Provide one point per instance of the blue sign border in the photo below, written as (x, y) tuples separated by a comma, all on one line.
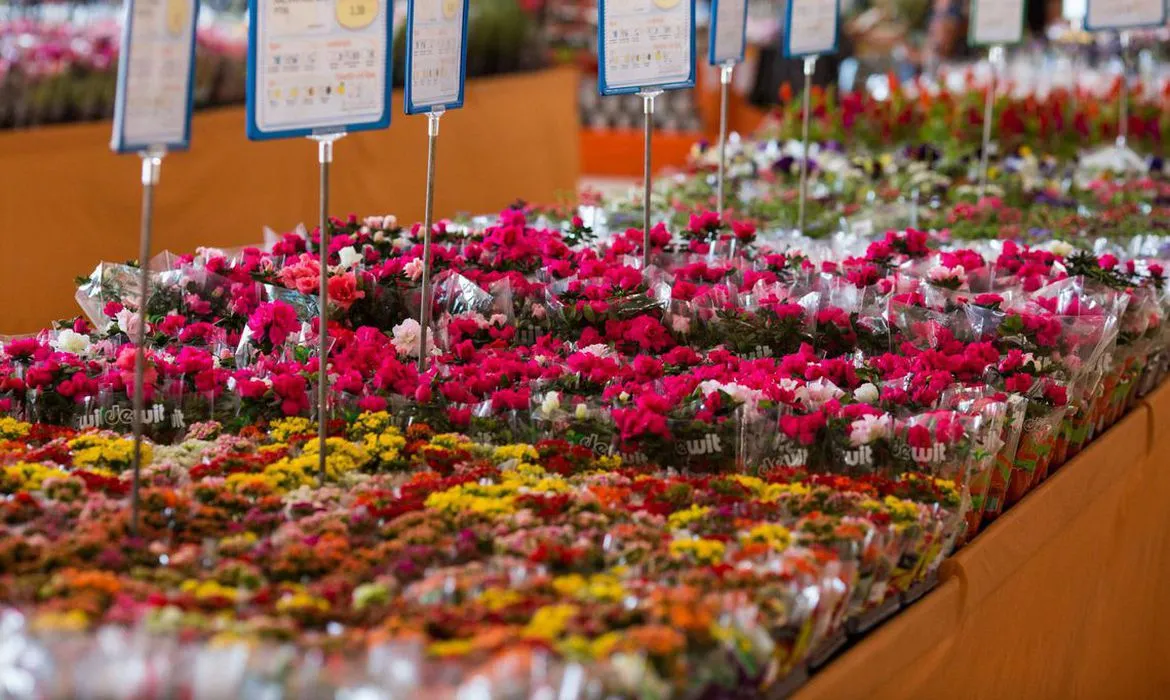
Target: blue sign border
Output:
[(1118, 28), (119, 143), (254, 131), (788, 32), (408, 103), (711, 57), (603, 87)]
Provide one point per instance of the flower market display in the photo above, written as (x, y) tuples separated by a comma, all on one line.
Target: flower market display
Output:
[(692, 479)]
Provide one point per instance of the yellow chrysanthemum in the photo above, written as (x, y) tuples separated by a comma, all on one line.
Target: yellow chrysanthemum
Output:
[(370, 422), (12, 429), (518, 452), (496, 599), (701, 550), (106, 451), (282, 429), (777, 537), (550, 621), (30, 476), (451, 647), (482, 499), (682, 519)]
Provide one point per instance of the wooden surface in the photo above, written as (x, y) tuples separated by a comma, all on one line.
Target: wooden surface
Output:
[(69, 203)]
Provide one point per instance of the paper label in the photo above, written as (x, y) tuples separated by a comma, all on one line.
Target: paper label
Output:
[(153, 105), (728, 25), (1124, 14), (320, 63), (646, 43), (811, 27), (438, 35), (996, 22)]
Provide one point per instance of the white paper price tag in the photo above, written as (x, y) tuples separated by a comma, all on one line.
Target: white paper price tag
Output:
[(646, 44), (810, 27), (728, 31), (155, 75), (317, 65), (436, 54), (996, 22), (1124, 14)]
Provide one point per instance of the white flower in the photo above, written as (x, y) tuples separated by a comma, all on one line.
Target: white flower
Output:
[(866, 429), (597, 349), (582, 412), (72, 342), (349, 257), (379, 237), (680, 324), (413, 269), (551, 403), (406, 338), (624, 396), (866, 393), (821, 391), (1061, 248)]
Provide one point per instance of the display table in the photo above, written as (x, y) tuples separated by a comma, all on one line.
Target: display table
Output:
[(69, 202), (1066, 596)]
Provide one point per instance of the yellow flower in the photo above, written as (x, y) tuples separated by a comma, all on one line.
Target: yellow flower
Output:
[(774, 492), (31, 475), (681, 519), (386, 447), (518, 452), (599, 587), (702, 550), (370, 422), (282, 429), (204, 590), (570, 585), (451, 647), (451, 441), (301, 601), (549, 622), (100, 450), (489, 499), (290, 475), (752, 483), (496, 599), (71, 621), (900, 509), (341, 457), (777, 537), (609, 462), (12, 429)]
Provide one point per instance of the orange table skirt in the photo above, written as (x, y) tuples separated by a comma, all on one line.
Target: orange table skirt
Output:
[(68, 202), (1067, 596)]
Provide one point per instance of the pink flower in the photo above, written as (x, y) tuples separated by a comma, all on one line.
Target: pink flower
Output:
[(273, 322)]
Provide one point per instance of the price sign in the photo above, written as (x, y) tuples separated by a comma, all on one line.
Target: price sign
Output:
[(1124, 14), (318, 65), (436, 54), (156, 76), (811, 27), (728, 31), (645, 44), (996, 22)]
